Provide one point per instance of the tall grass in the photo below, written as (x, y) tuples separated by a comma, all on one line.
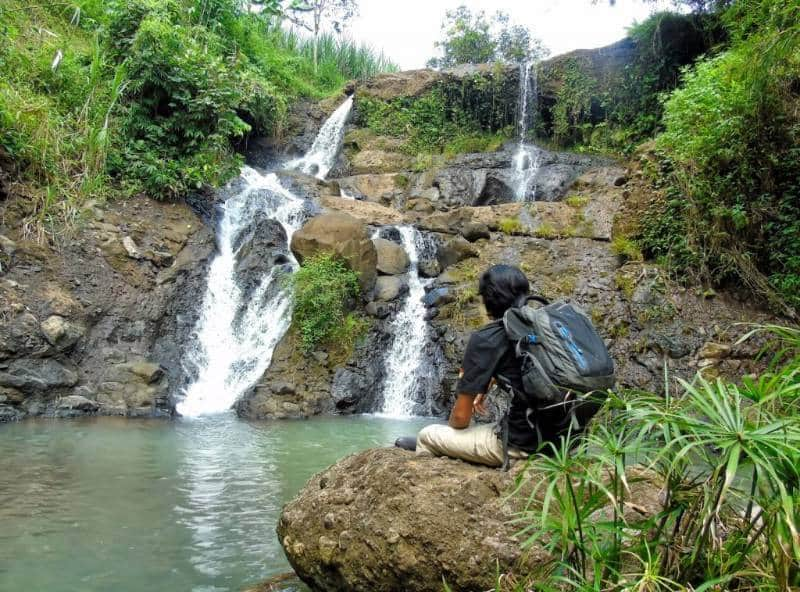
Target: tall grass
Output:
[(727, 458), (354, 60)]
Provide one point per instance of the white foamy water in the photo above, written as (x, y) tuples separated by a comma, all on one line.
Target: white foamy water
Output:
[(322, 156), (407, 368), (234, 338), (526, 158)]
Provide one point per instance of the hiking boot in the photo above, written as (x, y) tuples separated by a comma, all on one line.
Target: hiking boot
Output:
[(406, 442)]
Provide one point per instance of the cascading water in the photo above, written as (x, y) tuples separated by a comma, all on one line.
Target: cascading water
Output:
[(526, 158), (239, 328), (408, 369), (235, 336), (320, 159)]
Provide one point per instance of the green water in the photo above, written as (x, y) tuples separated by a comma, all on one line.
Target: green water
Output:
[(119, 505)]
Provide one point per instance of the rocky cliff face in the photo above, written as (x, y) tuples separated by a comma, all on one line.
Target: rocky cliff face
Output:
[(95, 322)]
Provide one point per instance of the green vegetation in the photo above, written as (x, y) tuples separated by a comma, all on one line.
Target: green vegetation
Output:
[(576, 201), (510, 225), (472, 38), (325, 289), (430, 123), (573, 102), (545, 230), (147, 95), (727, 459), (626, 248), (730, 147), (615, 114)]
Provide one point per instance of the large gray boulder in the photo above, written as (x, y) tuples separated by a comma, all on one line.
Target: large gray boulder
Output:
[(392, 258), (342, 235), (388, 520)]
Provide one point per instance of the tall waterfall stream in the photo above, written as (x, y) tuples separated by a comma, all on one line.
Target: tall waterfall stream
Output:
[(407, 367), (526, 158), (236, 333)]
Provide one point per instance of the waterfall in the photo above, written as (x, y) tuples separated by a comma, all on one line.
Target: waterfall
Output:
[(238, 328), (320, 159), (526, 158), (235, 336), (408, 369)]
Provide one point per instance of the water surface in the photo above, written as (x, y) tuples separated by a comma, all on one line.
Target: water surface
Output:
[(113, 504)]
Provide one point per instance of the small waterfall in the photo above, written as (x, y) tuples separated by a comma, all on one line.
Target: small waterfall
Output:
[(320, 159), (239, 326), (526, 158), (235, 335), (408, 369)]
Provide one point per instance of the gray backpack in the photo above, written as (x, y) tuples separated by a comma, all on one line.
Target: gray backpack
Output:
[(563, 362)]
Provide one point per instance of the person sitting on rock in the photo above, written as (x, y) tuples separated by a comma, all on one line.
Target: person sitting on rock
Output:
[(488, 356)]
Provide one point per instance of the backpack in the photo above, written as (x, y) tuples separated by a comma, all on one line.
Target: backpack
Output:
[(563, 363)]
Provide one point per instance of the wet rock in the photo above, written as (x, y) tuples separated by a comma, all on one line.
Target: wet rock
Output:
[(429, 268), (378, 310), (342, 235), (346, 387), (258, 248), (455, 250), (62, 333), (392, 258), (31, 375), (438, 297), (8, 413), (386, 519), (389, 287), (73, 405)]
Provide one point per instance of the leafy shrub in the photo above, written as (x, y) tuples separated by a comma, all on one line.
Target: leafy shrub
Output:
[(726, 458), (731, 145), (324, 289)]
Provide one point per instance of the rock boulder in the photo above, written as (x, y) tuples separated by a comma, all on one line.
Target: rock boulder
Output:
[(343, 235), (392, 258), (386, 519)]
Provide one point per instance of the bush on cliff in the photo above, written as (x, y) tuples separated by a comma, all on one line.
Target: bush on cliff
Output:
[(325, 290), (732, 161)]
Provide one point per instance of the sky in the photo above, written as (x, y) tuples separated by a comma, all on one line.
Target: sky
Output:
[(406, 29)]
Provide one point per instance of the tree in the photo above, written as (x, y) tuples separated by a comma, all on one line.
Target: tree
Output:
[(310, 14), (473, 38)]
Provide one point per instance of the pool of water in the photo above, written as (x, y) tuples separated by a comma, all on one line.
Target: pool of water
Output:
[(122, 505)]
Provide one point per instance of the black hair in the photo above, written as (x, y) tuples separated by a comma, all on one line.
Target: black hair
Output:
[(501, 287)]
